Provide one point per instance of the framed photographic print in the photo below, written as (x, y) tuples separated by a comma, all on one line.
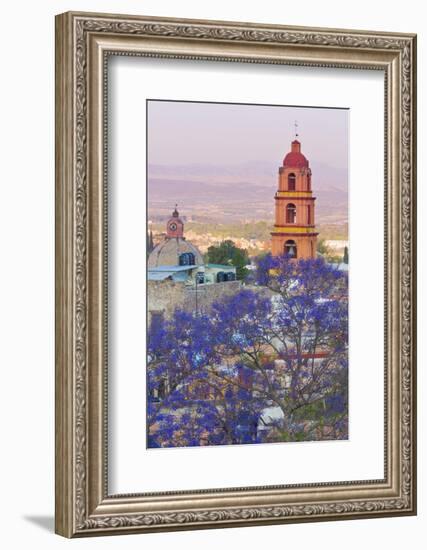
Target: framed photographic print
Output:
[(235, 274)]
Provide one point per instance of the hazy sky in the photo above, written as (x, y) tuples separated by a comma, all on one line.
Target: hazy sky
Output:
[(219, 134)]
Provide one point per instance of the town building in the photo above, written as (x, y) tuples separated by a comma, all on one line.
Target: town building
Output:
[(178, 277), (294, 230), (177, 259)]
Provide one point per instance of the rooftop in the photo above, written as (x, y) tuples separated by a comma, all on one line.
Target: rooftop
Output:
[(219, 266), (171, 268)]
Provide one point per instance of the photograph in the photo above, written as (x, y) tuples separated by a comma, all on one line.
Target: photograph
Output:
[(235, 271), (247, 273)]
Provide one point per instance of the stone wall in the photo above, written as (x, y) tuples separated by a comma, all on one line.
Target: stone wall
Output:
[(165, 296)]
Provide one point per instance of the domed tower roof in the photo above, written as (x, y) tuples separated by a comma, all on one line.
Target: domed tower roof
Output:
[(169, 251), (295, 159)]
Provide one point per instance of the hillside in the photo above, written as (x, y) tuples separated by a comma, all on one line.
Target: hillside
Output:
[(241, 192)]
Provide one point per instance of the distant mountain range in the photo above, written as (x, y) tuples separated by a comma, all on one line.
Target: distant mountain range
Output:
[(242, 191)]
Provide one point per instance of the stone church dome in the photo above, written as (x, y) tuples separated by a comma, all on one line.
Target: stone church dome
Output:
[(170, 251), (175, 249)]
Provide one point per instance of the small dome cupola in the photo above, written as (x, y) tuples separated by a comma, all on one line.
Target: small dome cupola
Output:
[(175, 226), (295, 159)]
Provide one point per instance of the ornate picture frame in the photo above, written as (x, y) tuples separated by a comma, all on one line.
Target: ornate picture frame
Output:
[(84, 43)]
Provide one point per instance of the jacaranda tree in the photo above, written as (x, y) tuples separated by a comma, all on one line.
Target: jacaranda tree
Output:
[(268, 363)]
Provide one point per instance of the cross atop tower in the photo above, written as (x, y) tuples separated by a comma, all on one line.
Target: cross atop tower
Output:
[(296, 129)]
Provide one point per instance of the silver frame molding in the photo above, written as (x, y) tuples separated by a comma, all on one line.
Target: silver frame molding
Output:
[(83, 43)]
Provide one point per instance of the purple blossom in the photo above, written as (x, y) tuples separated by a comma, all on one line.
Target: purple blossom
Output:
[(280, 345)]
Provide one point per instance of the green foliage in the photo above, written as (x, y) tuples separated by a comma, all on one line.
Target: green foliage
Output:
[(321, 247), (345, 256), (258, 233), (327, 253), (150, 242), (227, 253)]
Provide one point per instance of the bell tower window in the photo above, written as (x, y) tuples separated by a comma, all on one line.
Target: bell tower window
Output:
[(291, 182), (291, 213)]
